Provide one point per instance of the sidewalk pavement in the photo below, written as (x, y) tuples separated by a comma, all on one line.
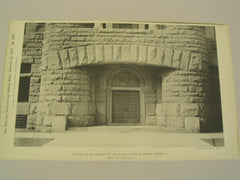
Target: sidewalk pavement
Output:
[(119, 136)]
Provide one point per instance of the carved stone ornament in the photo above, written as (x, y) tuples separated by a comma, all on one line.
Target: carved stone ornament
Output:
[(126, 78)]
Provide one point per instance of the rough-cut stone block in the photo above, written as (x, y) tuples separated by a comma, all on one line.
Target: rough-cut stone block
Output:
[(53, 60), (78, 38), (142, 53), (40, 118), (71, 76), (176, 99), (99, 53), (159, 109), (168, 57), (160, 55), (108, 52), (91, 109), (59, 108), (161, 121), (152, 55), (85, 87), (59, 123), (196, 89), (101, 108), (151, 120), (33, 108), (44, 107), (203, 99), (151, 99), (73, 55), (65, 58), (82, 55), (125, 53), (34, 89), (47, 121), (170, 89), (185, 60), (38, 65), (89, 120), (151, 109), (195, 62), (27, 59), (197, 78), (171, 109), (91, 54), (53, 87), (204, 109), (176, 58), (35, 79), (175, 122), (192, 124), (22, 108), (84, 98), (71, 98), (52, 77), (33, 53), (81, 121), (134, 53), (80, 108), (31, 120), (53, 98), (117, 53), (71, 87), (190, 110)]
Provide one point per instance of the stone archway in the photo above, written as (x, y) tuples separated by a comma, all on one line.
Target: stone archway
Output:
[(125, 97)]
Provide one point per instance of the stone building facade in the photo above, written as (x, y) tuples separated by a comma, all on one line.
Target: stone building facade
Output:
[(89, 74)]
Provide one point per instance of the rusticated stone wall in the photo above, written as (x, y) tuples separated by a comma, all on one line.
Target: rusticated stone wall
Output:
[(76, 60), (31, 54), (185, 100), (179, 47), (69, 98)]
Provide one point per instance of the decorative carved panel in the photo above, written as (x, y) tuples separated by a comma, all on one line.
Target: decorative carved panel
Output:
[(126, 79)]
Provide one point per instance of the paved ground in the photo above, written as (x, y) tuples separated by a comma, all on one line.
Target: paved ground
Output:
[(117, 136)]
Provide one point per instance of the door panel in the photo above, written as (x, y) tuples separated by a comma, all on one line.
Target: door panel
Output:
[(125, 106)]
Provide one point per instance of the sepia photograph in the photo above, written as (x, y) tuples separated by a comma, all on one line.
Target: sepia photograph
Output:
[(119, 89), (118, 84)]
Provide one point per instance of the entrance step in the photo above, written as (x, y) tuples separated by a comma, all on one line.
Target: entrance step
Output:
[(124, 128)]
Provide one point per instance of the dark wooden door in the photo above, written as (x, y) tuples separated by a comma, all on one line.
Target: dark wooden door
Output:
[(125, 106)]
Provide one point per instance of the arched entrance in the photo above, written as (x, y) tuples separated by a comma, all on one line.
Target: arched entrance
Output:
[(125, 97)]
